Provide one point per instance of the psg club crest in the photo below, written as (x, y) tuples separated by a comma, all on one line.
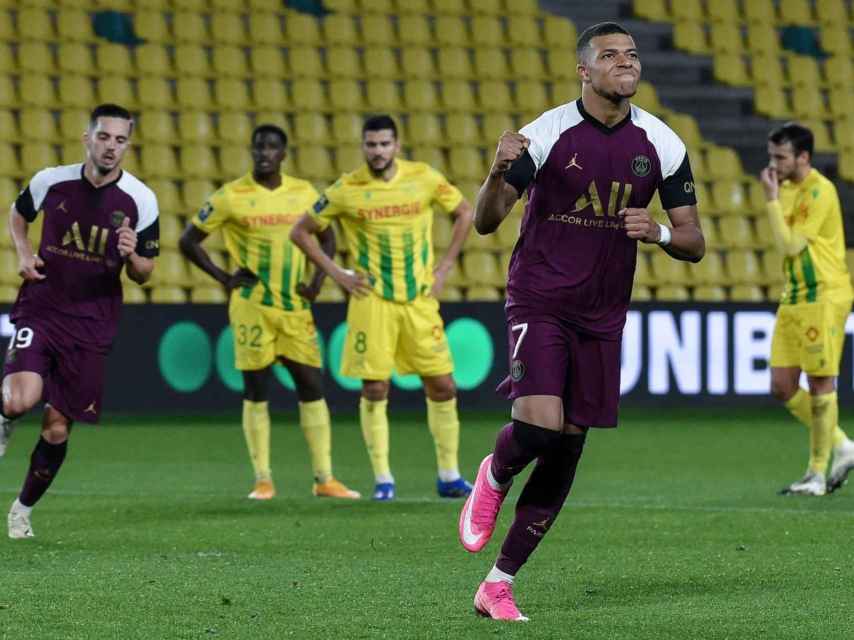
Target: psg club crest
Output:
[(117, 217), (641, 166), (517, 370)]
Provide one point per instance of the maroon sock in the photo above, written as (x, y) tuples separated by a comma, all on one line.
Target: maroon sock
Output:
[(540, 501), (44, 465), (519, 443)]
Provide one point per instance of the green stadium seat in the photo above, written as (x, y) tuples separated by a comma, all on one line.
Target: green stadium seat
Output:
[(643, 274), (72, 123), (414, 30), (168, 197), (72, 57), (795, 12), (742, 267), (158, 161), (807, 103), (208, 295), (803, 71), (448, 294), (424, 128), (527, 63), (382, 61), (494, 124), (725, 37), (192, 60), (9, 268), (114, 59), (116, 89), (343, 62), (330, 292), (196, 192), (709, 293), (38, 124), (265, 29), (227, 28), (448, 7), (523, 31), (457, 95), (494, 96), (194, 93), (431, 155), (377, 6), (74, 91), (345, 94), (267, 62), (641, 294), (491, 64), (486, 7), (454, 63), (462, 129), (151, 26), (266, 6), (466, 163), (170, 227), (764, 234), (821, 135), (561, 64), (340, 29), (672, 293), (34, 24), (647, 98), (189, 27), (168, 294), (270, 94), (652, 10), (450, 30), (307, 94), (730, 68), (416, 7), (230, 61), (348, 157), (771, 101), (152, 59), (35, 57), (487, 31), (667, 270), (531, 96), (723, 11), (9, 165), (315, 163), (686, 10), (746, 293), (195, 126), (417, 62), (841, 102), (420, 95), (482, 293), (35, 156), (709, 271), (836, 39), (762, 37), (301, 28), (377, 30), (729, 197), (234, 127), (8, 130), (691, 37), (346, 127), (760, 12), (310, 127), (832, 12), (559, 32), (156, 126)]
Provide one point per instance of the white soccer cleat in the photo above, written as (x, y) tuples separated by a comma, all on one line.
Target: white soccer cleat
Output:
[(19, 524), (843, 463), (6, 427), (812, 484)]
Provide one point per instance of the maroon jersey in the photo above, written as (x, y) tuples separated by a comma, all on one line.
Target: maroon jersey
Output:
[(573, 259), (79, 247)]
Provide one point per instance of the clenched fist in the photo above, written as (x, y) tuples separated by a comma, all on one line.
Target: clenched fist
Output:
[(640, 225), (127, 239), (511, 146)]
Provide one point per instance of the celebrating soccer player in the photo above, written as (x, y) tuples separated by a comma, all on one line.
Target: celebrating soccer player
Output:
[(385, 208), (806, 219), (590, 168), (269, 304), (98, 220)]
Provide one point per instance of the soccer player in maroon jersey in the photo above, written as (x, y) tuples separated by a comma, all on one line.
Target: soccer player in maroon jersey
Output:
[(98, 220), (590, 168)]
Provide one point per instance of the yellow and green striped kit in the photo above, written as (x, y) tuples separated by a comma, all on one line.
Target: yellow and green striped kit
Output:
[(255, 223), (388, 226), (819, 273)]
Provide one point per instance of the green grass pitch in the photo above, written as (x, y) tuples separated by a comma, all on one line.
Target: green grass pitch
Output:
[(673, 530)]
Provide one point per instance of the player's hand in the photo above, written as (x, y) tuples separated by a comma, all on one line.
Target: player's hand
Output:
[(440, 275), (353, 282), (308, 291), (243, 277), (511, 146), (28, 268), (640, 225), (127, 238), (770, 183)]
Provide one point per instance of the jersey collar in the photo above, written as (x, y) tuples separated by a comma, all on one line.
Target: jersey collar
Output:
[(600, 125), (103, 186)]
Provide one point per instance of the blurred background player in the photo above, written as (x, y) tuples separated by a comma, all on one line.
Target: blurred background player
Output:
[(386, 210), (98, 220), (806, 219), (591, 168), (269, 304)]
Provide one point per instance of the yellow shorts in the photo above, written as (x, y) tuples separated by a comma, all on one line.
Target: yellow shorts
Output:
[(407, 336), (810, 336), (263, 334)]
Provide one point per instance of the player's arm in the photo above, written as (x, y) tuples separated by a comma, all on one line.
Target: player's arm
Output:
[(302, 235), (683, 239), (326, 239), (463, 217), (788, 241), (28, 262), (511, 172), (139, 265), (191, 246)]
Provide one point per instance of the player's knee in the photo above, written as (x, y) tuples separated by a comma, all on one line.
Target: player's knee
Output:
[(820, 385), (56, 431), (782, 390), (375, 390), (441, 389)]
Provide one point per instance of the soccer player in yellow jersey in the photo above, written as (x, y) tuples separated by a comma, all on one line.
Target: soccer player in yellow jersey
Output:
[(385, 210), (805, 216), (269, 303)]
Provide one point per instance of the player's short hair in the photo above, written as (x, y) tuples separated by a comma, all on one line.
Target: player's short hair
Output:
[(270, 128), (109, 110), (594, 31), (378, 123), (798, 135)]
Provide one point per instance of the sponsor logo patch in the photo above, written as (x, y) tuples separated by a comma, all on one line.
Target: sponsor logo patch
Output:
[(641, 166), (517, 370), (321, 204), (205, 212), (117, 217), (812, 334)]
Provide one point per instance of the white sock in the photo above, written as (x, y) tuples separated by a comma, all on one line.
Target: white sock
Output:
[(384, 479), (497, 486), (497, 575), (17, 506), (449, 475)]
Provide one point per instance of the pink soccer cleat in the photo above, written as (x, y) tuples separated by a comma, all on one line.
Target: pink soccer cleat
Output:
[(495, 600), (477, 519)]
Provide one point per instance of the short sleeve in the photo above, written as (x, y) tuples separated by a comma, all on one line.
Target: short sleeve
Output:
[(30, 200), (213, 214), (446, 195), (677, 190), (148, 226), (327, 206)]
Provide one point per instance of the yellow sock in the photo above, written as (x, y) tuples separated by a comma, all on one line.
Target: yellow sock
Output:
[(799, 405), (315, 423), (372, 415), (825, 413), (445, 427), (256, 428)]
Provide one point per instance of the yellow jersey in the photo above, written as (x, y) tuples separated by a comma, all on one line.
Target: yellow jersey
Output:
[(811, 209), (256, 223), (388, 226)]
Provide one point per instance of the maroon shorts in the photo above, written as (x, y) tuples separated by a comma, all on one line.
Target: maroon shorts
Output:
[(550, 358), (73, 375)]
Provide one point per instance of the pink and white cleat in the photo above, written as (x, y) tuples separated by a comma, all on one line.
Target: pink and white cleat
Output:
[(477, 519), (495, 600)]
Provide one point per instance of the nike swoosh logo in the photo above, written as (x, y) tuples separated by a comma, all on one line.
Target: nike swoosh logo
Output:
[(469, 537)]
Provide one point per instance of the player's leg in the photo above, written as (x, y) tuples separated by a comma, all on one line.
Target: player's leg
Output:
[(316, 426), (444, 424), (256, 430), (373, 327), (21, 392), (842, 447), (45, 462)]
